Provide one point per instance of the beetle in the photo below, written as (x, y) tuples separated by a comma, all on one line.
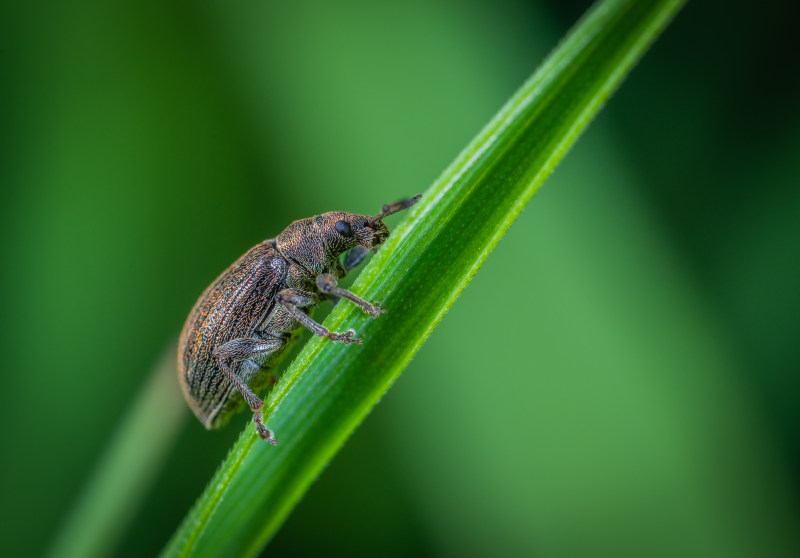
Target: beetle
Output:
[(248, 316)]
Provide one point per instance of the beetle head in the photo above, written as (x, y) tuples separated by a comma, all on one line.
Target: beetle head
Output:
[(318, 242), (343, 231)]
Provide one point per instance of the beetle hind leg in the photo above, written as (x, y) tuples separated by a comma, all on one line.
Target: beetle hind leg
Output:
[(242, 349)]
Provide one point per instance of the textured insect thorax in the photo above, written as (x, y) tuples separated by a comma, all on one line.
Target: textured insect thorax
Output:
[(315, 244), (300, 244)]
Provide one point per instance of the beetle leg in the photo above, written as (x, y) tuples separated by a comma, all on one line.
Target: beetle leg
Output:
[(241, 349), (328, 285), (293, 300), (354, 257), (244, 348), (253, 402)]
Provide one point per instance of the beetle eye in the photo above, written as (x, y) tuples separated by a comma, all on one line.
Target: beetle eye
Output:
[(343, 228)]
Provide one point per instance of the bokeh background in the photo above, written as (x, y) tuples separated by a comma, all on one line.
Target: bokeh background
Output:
[(620, 378)]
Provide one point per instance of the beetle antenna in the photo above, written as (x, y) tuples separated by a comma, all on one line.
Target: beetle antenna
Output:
[(391, 208)]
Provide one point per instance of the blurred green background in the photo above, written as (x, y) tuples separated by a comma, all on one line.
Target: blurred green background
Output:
[(620, 378)]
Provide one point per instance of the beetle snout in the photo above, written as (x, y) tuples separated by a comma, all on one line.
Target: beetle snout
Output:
[(379, 233)]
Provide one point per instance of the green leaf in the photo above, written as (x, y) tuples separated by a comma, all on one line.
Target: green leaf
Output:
[(422, 268)]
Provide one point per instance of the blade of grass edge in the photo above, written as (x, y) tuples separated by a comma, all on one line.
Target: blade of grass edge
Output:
[(325, 394)]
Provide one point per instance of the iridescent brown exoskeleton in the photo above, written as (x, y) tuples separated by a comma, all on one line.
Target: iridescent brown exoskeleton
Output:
[(248, 316)]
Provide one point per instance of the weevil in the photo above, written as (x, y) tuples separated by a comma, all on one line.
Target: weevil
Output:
[(248, 316)]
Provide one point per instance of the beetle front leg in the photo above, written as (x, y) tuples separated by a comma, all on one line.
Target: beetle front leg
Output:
[(242, 349), (328, 285), (354, 257), (293, 300)]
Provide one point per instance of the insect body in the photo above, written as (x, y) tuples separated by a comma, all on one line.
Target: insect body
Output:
[(248, 316)]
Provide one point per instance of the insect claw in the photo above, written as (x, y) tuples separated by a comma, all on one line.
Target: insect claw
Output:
[(350, 339), (374, 310), (346, 337), (266, 434)]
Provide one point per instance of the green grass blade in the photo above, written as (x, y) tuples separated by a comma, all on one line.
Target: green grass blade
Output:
[(420, 271)]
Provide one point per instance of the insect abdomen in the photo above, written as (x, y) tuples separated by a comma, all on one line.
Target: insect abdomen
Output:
[(232, 307)]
